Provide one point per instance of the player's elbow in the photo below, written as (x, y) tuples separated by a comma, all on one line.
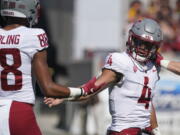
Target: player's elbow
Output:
[(47, 93)]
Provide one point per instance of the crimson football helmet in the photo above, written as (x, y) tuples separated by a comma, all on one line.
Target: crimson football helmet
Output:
[(145, 37), (22, 9)]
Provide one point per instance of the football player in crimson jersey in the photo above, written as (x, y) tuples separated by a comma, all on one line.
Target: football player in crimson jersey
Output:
[(131, 77), (23, 52)]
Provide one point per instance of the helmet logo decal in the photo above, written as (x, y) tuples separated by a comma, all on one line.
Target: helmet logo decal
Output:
[(147, 37)]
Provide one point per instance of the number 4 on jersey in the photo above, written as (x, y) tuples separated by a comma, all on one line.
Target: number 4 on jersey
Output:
[(146, 93)]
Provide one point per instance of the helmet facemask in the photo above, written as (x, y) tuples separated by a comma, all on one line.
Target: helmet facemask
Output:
[(141, 50), (144, 40)]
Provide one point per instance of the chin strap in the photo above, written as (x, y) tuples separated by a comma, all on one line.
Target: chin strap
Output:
[(139, 58)]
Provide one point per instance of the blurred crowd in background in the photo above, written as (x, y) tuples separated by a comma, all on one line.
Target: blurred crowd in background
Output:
[(166, 13)]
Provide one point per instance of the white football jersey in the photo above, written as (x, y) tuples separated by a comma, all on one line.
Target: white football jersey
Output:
[(130, 99), (17, 48)]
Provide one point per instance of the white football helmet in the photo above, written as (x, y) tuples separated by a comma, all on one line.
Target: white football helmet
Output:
[(21, 8), (145, 37)]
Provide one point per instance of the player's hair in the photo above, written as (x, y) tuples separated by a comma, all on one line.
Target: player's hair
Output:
[(14, 20)]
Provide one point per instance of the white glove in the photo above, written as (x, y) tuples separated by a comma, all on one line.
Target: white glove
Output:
[(156, 131)]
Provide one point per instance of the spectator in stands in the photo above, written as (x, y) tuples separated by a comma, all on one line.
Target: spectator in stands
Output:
[(164, 16), (135, 11), (153, 8)]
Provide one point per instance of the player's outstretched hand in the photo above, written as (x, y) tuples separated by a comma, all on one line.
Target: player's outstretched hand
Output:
[(90, 87), (53, 101)]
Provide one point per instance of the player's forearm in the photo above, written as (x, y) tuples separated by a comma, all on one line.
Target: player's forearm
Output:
[(153, 118), (174, 67), (53, 90), (154, 123), (167, 64)]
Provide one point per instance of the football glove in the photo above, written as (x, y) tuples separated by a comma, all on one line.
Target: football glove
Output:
[(90, 87)]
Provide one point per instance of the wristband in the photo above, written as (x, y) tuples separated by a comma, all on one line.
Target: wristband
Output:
[(156, 131), (75, 92), (164, 63)]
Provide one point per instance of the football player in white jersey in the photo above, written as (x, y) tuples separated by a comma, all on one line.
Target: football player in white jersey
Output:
[(23, 52), (131, 77)]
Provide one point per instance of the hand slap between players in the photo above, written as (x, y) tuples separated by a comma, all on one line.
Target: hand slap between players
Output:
[(87, 89)]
